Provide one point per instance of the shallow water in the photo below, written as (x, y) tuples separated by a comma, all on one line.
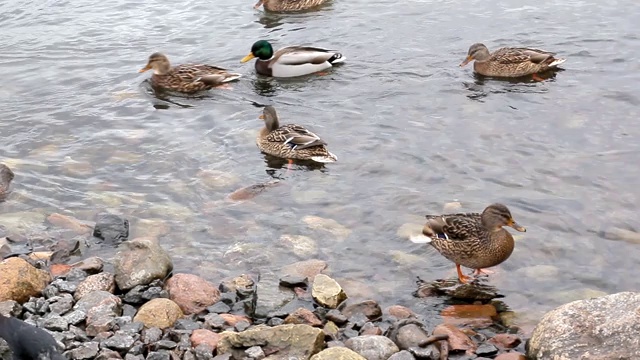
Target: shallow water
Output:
[(412, 131)]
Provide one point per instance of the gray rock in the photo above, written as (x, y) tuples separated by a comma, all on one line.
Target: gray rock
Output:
[(128, 310), (186, 324), (55, 322), (293, 280), (409, 335), (87, 350), (165, 344), (36, 306), (61, 304), (270, 295), (139, 262), (111, 228), (204, 352), (223, 357), (402, 355), (50, 291), (486, 349), (132, 328), (10, 308), (121, 321), (372, 347), (336, 316), (75, 317), (134, 296), (102, 308), (155, 292), (214, 321), (188, 355), (119, 342), (430, 352), (151, 335), (599, 328), (242, 325), (133, 357), (290, 341), (255, 352), (219, 308), (159, 355), (64, 286), (75, 275)]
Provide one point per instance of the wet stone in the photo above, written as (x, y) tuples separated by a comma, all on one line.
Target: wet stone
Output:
[(293, 280), (111, 228), (486, 349), (159, 355), (219, 308), (336, 316), (402, 355), (165, 344)]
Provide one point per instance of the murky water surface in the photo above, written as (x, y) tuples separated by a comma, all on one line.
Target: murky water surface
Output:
[(412, 131)]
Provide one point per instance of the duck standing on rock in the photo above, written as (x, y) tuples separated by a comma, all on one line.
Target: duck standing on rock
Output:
[(473, 240), (511, 62), (288, 5), (291, 141), (291, 61), (28, 342), (186, 78)]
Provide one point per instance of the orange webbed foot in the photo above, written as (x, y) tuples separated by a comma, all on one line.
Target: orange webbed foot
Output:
[(462, 277), (537, 77)]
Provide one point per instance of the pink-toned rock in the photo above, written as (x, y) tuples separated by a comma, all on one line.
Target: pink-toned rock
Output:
[(233, 319), (477, 316), (204, 336), (506, 341), (69, 222), (103, 281), (191, 292), (59, 269), (19, 280), (400, 312), (303, 316), (458, 341), (511, 356)]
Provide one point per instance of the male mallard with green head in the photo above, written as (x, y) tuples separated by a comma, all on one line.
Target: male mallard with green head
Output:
[(290, 141), (511, 62), (473, 240), (186, 78), (291, 61), (288, 5)]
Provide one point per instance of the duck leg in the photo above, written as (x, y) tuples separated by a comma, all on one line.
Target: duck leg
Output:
[(289, 165), (462, 277), (224, 86), (478, 272), (537, 77)]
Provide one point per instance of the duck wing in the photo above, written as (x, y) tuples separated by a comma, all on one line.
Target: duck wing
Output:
[(299, 55), (296, 136), (452, 226)]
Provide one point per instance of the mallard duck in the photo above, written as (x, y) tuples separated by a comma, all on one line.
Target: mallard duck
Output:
[(510, 62), (186, 78), (291, 141), (292, 60), (288, 5), (473, 240)]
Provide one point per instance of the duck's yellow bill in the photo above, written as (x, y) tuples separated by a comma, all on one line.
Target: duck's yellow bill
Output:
[(466, 61), (148, 67), (247, 58), (261, 117)]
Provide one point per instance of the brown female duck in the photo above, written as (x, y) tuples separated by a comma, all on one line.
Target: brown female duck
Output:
[(510, 62), (186, 78), (290, 141), (288, 5), (473, 240)]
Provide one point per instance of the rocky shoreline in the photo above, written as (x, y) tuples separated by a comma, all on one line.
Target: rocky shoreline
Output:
[(134, 307)]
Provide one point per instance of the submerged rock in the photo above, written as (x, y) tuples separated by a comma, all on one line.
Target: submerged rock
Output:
[(191, 292), (456, 290), (139, 262), (19, 280), (270, 295), (6, 176), (298, 342), (112, 229), (327, 292), (600, 328)]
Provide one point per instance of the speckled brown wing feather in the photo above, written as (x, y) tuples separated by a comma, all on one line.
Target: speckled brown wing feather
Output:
[(520, 55), (297, 136), (458, 227)]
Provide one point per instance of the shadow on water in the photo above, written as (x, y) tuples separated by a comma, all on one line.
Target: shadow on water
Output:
[(478, 91)]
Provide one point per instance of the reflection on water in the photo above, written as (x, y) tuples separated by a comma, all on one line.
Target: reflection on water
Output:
[(412, 130)]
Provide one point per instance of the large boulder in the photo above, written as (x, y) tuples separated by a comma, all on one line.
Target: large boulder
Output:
[(289, 341), (19, 280), (139, 262), (606, 327)]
